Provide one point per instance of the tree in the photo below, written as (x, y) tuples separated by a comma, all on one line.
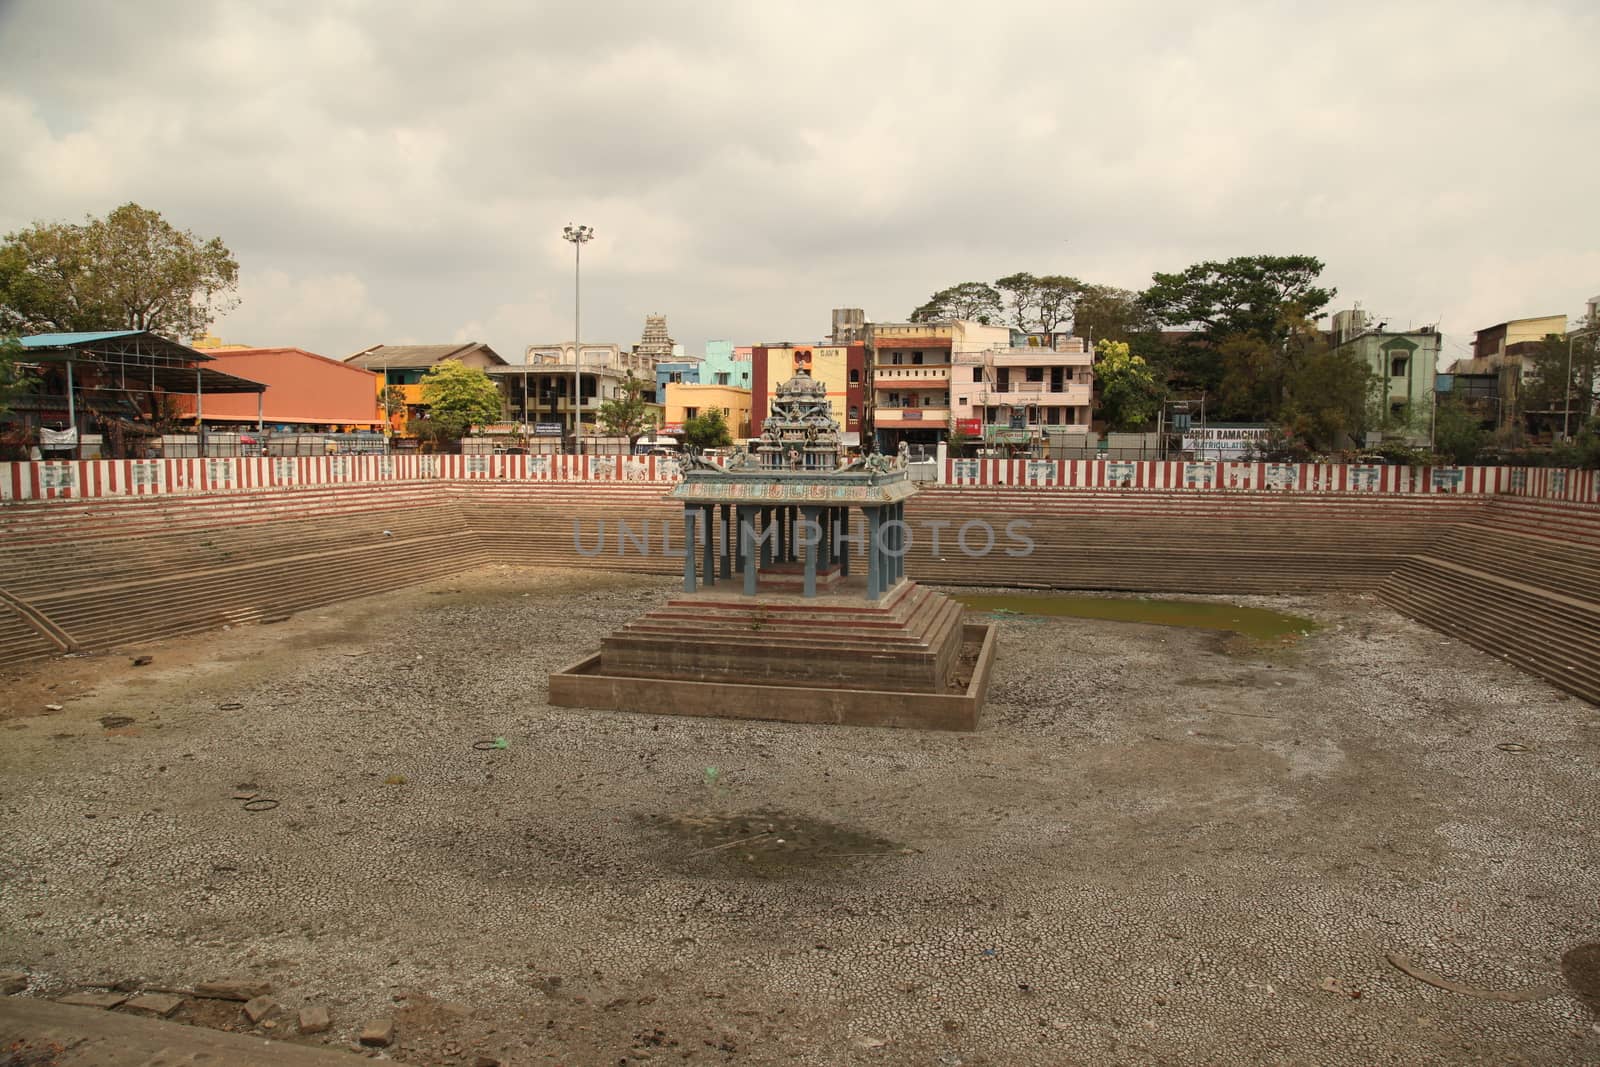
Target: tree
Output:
[(1106, 313), (957, 443), (628, 413), (131, 270), (1548, 385), (707, 431), (458, 397), (1258, 296), (1130, 396), (1040, 304), (1458, 433), (394, 404), (975, 301), (11, 373), (1327, 393)]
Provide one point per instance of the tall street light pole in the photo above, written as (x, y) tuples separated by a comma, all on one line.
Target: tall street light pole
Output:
[(578, 235)]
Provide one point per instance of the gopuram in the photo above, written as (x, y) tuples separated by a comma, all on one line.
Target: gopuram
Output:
[(795, 603)]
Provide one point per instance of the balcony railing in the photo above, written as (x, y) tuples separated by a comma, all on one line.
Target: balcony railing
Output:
[(930, 415), (1040, 357), (1075, 395)]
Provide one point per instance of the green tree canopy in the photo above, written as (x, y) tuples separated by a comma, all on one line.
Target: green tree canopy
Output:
[(1106, 313), (1130, 396), (709, 430), (628, 413), (975, 301), (11, 380), (1326, 401), (131, 270), (1458, 433), (1560, 375), (459, 397), (1040, 304), (1257, 296)]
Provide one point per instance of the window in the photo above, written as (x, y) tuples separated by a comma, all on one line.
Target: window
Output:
[(1035, 374), (691, 413), (963, 401), (726, 412), (722, 377), (855, 413), (916, 359), (977, 374), (1398, 366), (855, 376)]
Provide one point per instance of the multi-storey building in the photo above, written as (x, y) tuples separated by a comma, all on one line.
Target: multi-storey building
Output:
[(404, 366), (1404, 364), (914, 387), (1020, 391), (686, 401), (546, 375), (842, 368), (725, 364)]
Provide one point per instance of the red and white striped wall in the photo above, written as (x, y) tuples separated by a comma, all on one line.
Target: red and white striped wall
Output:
[(93, 478), (1207, 476), (87, 479)]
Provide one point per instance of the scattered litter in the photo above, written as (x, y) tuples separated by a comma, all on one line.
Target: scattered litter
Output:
[(52, 707), (143, 661), (260, 804), (395, 779), (1334, 985), (731, 844), (1506, 996), (1512, 746), (232, 705), (867, 1043), (711, 775), (115, 722), (245, 796), (490, 746)]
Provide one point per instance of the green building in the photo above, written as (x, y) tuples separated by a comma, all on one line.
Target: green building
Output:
[(1403, 365)]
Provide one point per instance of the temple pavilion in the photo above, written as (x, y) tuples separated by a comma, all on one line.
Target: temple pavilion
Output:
[(777, 517), (802, 639)]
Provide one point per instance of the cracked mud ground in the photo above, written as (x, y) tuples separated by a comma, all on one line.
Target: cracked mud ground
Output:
[(1162, 846)]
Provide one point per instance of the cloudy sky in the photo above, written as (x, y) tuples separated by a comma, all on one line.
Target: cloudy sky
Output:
[(390, 172)]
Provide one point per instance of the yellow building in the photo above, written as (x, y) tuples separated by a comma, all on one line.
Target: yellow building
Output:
[(840, 368), (688, 401)]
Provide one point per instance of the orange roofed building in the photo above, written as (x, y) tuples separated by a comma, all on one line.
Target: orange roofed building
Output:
[(303, 389)]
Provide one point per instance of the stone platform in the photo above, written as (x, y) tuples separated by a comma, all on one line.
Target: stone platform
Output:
[(585, 684), (909, 639), (904, 660)]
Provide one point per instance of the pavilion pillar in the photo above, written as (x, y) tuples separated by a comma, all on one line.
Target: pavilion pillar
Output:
[(766, 537), (826, 521), (709, 563), (747, 534), (900, 543), (689, 547), (874, 557), (842, 516), (727, 542), (783, 533), (199, 415), (810, 515), (260, 411)]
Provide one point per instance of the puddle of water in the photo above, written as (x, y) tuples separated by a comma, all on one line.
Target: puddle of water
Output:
[(1256, 623)]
